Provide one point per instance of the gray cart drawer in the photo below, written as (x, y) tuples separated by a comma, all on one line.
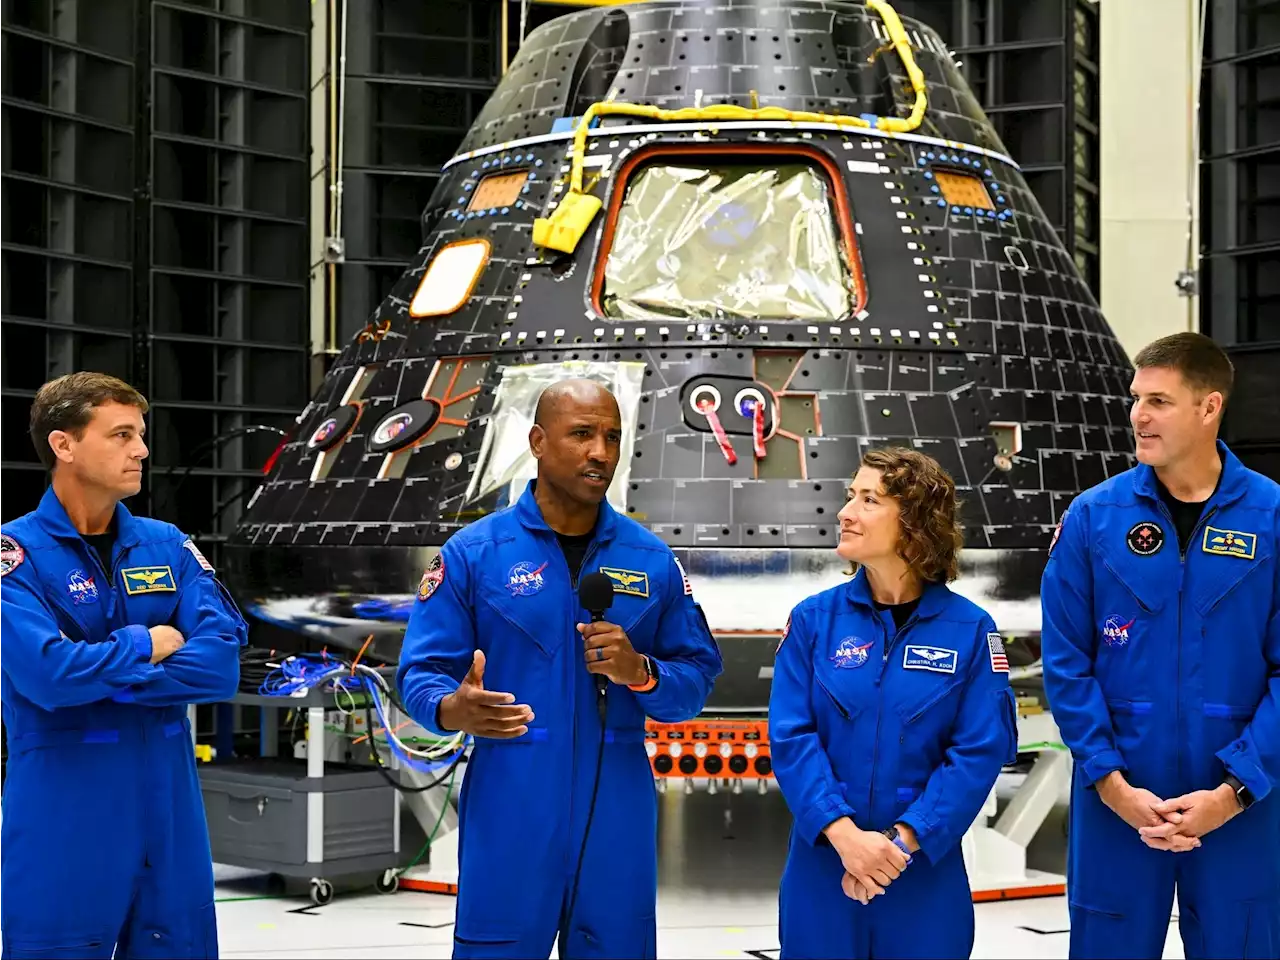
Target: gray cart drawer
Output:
[(257, 811)]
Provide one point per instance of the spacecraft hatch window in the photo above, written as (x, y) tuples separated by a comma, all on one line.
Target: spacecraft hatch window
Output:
[(449, 278), (729, 236), (963, 189)]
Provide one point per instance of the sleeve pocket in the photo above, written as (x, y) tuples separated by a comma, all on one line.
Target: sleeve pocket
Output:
[(1008, 710)]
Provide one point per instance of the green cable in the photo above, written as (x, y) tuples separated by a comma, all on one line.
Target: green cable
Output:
[(434, 830)]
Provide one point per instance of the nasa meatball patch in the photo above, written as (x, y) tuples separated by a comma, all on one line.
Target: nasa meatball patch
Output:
[(432, 578), (11, 554)]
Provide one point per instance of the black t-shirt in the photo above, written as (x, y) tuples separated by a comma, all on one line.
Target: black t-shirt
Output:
[(575, 551), (901, 611), (1185, 515), (103, 543)]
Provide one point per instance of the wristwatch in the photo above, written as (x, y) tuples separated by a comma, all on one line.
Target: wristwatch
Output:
[(652, 680), (1243, 795), (892, 834)]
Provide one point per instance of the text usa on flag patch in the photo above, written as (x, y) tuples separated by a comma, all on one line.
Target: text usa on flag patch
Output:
[(999, 660)]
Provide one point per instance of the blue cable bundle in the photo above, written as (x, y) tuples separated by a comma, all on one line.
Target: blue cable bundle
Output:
[(297, 675)]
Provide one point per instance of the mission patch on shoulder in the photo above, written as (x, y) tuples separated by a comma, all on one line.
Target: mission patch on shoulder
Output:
[(11, 554)]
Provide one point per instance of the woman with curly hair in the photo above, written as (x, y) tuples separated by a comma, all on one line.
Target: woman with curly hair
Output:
[(890, 718)]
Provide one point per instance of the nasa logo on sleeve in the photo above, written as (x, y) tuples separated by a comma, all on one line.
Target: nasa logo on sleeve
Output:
[(11, 554)]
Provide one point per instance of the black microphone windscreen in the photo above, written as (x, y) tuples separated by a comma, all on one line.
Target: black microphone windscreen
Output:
[(595, 593)]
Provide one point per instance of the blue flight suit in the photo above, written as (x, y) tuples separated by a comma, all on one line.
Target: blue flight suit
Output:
[(504, 588), (102, 794), (886, 726), (1167, 667)]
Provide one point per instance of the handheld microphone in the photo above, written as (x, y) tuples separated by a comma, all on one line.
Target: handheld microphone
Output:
[(595, 593)]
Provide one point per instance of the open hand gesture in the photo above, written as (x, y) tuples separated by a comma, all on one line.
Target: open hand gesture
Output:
[(483, 713)]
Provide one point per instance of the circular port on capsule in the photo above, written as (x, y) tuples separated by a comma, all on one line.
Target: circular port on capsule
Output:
[(705, 392), (746, 399)]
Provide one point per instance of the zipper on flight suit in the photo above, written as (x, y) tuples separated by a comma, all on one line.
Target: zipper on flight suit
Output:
[(1182, 576), (120, 550), (573, 623), (113, 610), (884, 662)]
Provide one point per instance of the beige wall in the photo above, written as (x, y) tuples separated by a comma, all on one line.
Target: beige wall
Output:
[(1146, 72)]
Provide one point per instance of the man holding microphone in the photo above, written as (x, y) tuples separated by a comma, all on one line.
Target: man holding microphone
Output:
[(558, 790)]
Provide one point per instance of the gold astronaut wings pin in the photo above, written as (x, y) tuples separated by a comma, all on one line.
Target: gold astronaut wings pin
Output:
[(157, 579), (631, 582)]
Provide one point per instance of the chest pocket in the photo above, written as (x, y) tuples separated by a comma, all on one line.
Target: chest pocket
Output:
[(845, 673), (927, 685), (530, 595), (149, 592), (1235, 583)]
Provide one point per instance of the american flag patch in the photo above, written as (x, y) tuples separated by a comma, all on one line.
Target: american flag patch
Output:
[(785, 630), (995, 646), (688, 587), (195, 552)]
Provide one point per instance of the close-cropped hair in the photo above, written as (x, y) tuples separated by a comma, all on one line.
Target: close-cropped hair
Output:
[(1203, 364), (67, 404), (930, 531)]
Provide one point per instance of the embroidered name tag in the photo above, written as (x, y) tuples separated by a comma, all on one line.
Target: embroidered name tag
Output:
[(1230, 543), (148, 580), (937, 659), (631, 582)]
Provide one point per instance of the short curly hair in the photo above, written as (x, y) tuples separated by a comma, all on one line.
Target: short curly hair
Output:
[(931, 534)]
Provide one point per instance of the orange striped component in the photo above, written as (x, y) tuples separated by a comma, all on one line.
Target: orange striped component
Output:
[(737, 749)]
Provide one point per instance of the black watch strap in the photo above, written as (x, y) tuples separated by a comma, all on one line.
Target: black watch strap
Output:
[(1243, 796)]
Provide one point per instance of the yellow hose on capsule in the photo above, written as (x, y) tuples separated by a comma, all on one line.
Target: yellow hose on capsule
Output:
[(564, 228)]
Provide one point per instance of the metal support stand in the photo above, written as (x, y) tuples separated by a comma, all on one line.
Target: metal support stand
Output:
[(995, 855)]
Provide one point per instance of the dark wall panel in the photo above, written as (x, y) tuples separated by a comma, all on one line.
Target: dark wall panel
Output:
[(164, 244)]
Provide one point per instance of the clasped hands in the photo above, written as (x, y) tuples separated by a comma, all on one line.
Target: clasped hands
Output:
[(871, 860), (490, 713), (1175, 825)]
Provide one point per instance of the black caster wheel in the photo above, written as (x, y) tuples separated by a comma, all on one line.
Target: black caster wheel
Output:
[(388, 882), (321, 891)]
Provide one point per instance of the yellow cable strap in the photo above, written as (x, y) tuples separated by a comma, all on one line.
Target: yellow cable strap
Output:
[(731, 112)]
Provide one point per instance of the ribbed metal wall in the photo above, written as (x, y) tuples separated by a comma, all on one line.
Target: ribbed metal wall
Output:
[(155, 217), (1033, 65)]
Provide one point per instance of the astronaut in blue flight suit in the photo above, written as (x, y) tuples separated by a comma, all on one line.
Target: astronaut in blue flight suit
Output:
[(546, 849), (112, 625), (1161, 645), (890, 718)]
